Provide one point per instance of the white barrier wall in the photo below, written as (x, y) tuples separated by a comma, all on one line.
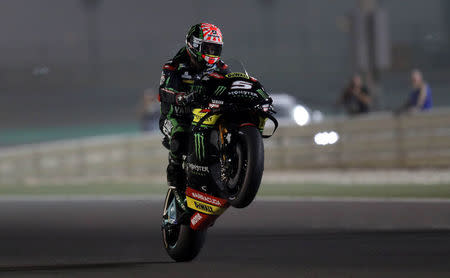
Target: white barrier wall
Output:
[(378, 140), (88, 159), (373, 141)]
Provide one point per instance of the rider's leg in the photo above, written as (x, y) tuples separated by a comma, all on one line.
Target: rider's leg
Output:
[(176, 176), (176, 141)]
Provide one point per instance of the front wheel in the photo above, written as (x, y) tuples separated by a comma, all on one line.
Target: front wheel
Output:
[(180, 241), (244, 168)]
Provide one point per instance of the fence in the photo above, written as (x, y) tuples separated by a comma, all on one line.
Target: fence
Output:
[(379, 140), (84, 159), (373, 141)]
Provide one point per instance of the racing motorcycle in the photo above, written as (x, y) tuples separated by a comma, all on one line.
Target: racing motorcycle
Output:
[(234, 112)]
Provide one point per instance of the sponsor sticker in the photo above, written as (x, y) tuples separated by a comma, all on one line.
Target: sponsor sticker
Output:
[(199, 113), (237, 74), (201, 221), (246, 94), (215, 103), (198, 168), (204, 207), (206, 197), (197, 217)]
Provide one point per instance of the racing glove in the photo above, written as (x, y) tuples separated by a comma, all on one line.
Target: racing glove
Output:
[(185, 99)]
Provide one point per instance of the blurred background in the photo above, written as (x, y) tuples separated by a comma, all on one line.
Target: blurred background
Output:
[(80, 67), (362, 90)]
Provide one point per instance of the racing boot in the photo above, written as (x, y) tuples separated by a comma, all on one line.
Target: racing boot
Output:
[(176, 179)]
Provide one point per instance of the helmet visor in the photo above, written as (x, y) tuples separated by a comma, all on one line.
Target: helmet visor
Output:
[(211, 49)]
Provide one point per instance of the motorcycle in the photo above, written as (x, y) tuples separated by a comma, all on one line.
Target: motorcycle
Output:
[(235, 112)]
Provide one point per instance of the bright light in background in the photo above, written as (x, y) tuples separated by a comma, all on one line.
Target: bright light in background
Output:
[(301, 115), (326, 138)]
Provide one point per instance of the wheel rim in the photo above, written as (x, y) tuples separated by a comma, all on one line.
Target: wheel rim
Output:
[(233, 174), (171, 232), (171, 235)]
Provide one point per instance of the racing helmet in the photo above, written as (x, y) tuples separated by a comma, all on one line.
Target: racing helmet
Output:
[(204, 43)]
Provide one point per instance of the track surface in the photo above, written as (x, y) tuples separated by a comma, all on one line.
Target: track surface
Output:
[(121, 238)]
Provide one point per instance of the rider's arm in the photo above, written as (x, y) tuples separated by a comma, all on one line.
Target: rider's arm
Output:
[(169, 88)]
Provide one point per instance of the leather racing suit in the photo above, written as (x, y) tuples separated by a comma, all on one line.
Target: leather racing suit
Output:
[(180, 82)]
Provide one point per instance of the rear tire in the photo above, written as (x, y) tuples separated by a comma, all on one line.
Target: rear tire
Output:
[(251, 139), (180, 241)]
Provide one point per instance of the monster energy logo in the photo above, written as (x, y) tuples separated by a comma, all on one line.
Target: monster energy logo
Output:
[(199, 142), (262, 93), (220, 90)]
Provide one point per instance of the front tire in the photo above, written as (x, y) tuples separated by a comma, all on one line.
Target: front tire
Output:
[(253, 164), (180, 241)]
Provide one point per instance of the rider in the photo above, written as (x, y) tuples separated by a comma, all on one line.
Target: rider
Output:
[(179, 87)]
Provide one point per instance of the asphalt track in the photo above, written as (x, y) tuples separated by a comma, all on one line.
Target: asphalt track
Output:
[(121, 238)]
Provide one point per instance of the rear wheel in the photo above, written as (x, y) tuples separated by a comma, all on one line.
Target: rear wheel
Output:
[(180, 241)]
